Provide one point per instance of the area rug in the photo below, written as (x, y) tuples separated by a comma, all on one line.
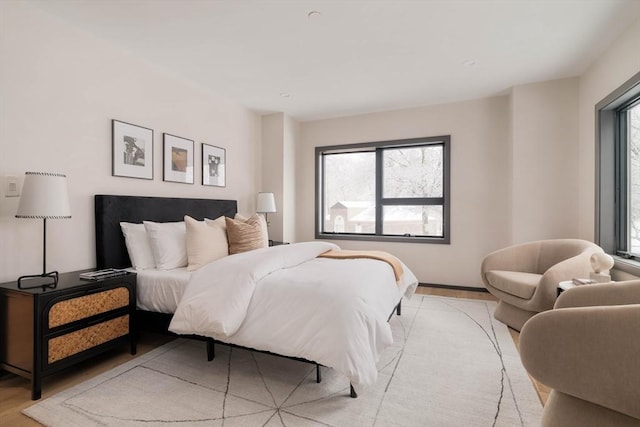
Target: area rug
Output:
[(451, 364)]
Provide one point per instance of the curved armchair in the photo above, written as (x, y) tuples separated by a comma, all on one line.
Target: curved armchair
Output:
[(587, 349), (525, 277)]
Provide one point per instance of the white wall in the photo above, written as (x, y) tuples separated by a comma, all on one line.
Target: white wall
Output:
[(290, 142), (514, 173), (59, 90), (280, 134), (480, 184), (512, 156), (272, 168), (544, 126)]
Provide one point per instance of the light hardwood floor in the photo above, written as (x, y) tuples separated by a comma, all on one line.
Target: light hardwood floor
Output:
[(15, 392)]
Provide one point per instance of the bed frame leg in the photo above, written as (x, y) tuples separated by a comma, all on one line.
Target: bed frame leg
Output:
[(211, 350), (352, 392), (318, 376)]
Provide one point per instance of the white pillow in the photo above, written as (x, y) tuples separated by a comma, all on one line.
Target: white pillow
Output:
[(168, 243), (206, 241), (140, 254)]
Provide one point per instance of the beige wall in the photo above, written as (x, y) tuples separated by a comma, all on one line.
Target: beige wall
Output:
[(59, 89), (480, 193), (272, 168), (544, 126), (512, 156), (533, 178), (290, 141), (280, 134)]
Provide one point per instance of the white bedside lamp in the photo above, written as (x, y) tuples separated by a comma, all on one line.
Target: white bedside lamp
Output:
[(44, 196), (266, 205)]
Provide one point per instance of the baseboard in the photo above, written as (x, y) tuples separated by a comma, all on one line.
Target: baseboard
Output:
[(453, 287)]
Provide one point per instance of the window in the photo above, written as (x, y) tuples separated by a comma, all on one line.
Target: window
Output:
[(618, 195), (390, 191), (629, 179)]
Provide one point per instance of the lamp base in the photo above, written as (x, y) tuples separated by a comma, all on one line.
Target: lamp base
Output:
[(41, 284)]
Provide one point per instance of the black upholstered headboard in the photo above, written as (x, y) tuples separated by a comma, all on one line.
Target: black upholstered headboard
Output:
[(111, 250)]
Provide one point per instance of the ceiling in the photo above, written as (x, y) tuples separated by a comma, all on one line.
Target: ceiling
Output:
[(354, 57)]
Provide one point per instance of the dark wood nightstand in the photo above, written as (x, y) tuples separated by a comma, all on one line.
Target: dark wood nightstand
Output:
[(277, 243), (44, 330)]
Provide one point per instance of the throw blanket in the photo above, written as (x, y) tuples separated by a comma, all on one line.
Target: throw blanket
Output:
[(394, 262)]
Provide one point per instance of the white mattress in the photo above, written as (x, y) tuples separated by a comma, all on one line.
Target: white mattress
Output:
[(160, 290)]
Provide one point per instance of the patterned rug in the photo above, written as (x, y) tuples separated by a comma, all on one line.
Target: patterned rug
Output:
[(452, 364)]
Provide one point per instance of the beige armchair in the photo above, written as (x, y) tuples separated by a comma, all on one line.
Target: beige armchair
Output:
[(525, 277), (587, 349)]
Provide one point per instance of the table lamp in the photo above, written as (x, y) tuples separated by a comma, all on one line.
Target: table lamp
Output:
[(266, 205), (44, 196)]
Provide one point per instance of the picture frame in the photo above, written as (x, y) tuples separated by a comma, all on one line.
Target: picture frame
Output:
[(132, 150), (214, 166), (177, 159)]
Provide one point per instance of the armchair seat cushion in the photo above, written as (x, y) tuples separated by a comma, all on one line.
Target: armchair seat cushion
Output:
[(516, 283)]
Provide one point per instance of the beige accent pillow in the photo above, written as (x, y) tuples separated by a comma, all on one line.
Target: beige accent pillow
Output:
[(246, 234), (206, 241), (263, 224)]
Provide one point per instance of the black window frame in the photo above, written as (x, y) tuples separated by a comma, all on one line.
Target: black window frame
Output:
[(378, 147), (612, 173)]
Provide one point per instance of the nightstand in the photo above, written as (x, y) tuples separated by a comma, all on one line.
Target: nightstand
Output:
[(277, 243), (45, 330)]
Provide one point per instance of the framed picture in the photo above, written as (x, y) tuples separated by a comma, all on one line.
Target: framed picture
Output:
[(214, 165), (178, 159), (132, 150)]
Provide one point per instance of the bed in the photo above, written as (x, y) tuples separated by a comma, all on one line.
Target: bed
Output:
[(343, 324)]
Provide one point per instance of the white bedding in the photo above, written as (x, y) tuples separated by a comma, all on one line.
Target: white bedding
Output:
[(161, 290), (285, 300)]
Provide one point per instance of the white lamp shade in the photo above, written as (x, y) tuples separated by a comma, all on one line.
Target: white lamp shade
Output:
[(266, 203), (44, 195)]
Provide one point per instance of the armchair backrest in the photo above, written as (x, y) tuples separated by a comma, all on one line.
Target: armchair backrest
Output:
[(552, 252), (588, 347)]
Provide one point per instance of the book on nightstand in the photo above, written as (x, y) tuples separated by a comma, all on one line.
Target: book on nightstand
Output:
[(103, 274)]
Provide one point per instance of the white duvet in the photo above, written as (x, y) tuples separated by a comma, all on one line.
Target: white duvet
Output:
[(285, 300)]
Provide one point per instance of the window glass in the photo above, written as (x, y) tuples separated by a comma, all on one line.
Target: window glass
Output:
[(412, 220), (349, 192), (412, 172), (633, 132)]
